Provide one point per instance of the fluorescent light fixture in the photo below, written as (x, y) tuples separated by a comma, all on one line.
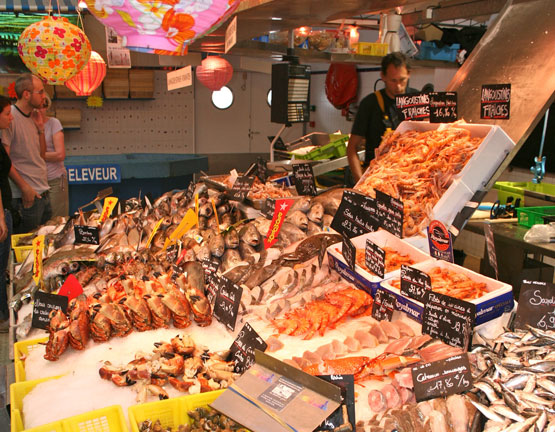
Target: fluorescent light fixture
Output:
[(276, 19), (82, 5)]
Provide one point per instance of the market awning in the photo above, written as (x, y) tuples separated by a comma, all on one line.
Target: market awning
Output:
[(38, 5)]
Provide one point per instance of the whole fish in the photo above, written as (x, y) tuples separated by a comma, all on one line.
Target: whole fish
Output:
[(250, 235), (316, 213), (302, 204), (230, 259), (231, 238), (217, 245)]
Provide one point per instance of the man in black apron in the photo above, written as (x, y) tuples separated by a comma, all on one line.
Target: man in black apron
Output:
[(377, 112)]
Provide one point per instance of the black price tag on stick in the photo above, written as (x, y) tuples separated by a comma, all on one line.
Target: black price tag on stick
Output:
[(269, 208), (210, 266), (241, 188), (390, 213), (490, 247), (415, 283), (442, 378), (384, 305), (262, 169), (495, 102), (242, 349), (304, 179), (212, 287), (440, 242), (448, 319), (227, 304), (357, 214), (413, 106), (536, 305), (86, 235), (374, 258), (349, 252), (443, 107), (43, 304), (345, 414)]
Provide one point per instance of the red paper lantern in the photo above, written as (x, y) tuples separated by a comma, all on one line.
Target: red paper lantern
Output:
[(214, 72), (90, 77)]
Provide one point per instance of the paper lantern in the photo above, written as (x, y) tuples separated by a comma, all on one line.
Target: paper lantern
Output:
[(214, 72), (54, 49), (162, 26), (90, 77)]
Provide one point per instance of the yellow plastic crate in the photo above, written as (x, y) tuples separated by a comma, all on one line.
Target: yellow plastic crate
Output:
[(170, 412), (109, 419), (21, 350), (21, 252), (372, 48)]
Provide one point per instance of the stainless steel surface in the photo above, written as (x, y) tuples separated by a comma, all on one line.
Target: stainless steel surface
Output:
[(334, 164), (518, 49)]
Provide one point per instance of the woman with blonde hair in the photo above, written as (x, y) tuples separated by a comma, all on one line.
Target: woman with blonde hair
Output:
[(54, 157)]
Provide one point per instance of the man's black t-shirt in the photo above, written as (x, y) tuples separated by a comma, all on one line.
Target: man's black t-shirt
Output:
[(5, 166)]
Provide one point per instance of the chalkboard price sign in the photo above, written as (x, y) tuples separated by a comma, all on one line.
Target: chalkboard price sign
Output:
[(349, 252), (228, 300), (384, 305), (212, 287), (357, 214), (43, 304), (261, 169), (304, 179), (390, 213), (210, 266), (536, 305), (86, 235), (443, 107), (495, 102), (415, 283), (242, 349), (374, 258), (413, 106), (241, 188), (448, 319), (268, 208), (345, 413), (442, 378)]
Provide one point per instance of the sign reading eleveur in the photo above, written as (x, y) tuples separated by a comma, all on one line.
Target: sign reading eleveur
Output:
[(536, 305), (91, 174), (413, 106), (495, 102), (180, 78)]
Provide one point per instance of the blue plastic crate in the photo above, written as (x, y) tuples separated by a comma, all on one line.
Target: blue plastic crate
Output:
[(429, 51)]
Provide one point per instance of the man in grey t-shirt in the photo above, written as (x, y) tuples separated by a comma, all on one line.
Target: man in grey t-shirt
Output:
[(25, 143)]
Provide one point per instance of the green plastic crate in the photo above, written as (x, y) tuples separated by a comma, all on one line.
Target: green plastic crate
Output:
[(529, 216), (335, 149), (516, 190)]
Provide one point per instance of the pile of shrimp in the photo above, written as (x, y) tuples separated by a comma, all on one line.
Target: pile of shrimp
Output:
[(417, 168), (393, 259)]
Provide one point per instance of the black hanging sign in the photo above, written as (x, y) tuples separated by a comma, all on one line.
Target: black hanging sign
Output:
[(304, 179), (242, 349), (443, 107), (442, 378), (374, 258), (227, 304), (43, 304), (261, 169), (344, 415), (349, 252), (448, 319), (490, 247), (210, 267), (268, 208), (536, 305), (440, 242), (413, 106), (415, 283), (390, 213), (384, 304), (85, 234), (241, 188), (356, 215), (495, 102)]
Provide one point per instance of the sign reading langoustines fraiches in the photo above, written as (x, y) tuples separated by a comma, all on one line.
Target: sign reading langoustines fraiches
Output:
[(390, 213), (440, 242), (92, 174), (443, 107), (243, 348), (356, 215), (536, 305), (413, 106), (384, 305), (495, 102), (304, 179)]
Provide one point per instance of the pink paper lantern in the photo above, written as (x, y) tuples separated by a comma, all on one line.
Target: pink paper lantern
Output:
[(90, 77), (214, 72)]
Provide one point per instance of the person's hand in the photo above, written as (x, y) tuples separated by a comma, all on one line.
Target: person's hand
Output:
[(38, 119), (28, 196), (3, 229)]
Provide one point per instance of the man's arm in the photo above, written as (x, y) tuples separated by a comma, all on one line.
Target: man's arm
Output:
[(355, 141), (39, 123), (28, 194)]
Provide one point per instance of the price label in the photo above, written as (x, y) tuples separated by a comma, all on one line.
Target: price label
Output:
[(536, 305), (304, 179), (43, 304), (415, 283), (495, 102), (443, 107), (228, 299), (448, 319), (210, 266), (212, 287), (440, 242), (357, 214), (384, 305), (390, 213), (241, 188), (242, 349), (86, 234), (349, 252), (442, 378), (490, 247), (345, 413), (374, 258), (413, 106)]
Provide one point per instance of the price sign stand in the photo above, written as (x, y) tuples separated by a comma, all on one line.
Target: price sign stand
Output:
[(241, 188), (390, 213), (228, 299), (536, 305), (443, 107), (384, 305), (244, 346), (356, 215), (304, 179), (415, 283), (374, 258)]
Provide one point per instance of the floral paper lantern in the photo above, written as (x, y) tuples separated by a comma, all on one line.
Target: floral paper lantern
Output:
[(214, 72), (90, 77), (54, 49), (162, 26)]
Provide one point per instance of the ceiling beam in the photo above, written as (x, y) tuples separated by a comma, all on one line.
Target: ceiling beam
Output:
[(456, 10)]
